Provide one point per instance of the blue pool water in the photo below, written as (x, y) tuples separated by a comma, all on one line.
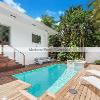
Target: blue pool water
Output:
[(46, 78)]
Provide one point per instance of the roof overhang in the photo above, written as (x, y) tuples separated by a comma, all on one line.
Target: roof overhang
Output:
[(25, 19)]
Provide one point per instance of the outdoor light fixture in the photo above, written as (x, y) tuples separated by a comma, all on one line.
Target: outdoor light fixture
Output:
[(33, 24), (73, 91), (46, 30), (13, 16)]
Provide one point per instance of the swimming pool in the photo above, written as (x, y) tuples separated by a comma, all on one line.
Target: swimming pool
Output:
[(50, 78)]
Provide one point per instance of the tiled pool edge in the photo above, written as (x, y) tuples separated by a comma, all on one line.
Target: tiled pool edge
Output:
[(28, 95), (13, 75), (61, 81), (64, 79), (53, 95), (32, 97), (36, 98), (25, 93), (66, 85)]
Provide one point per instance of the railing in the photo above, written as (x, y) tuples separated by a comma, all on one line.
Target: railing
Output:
[(14, 53)]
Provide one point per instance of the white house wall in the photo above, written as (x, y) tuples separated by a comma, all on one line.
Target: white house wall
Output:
[(21, 36), (92, 54)]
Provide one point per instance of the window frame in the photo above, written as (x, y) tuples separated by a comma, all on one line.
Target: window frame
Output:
[(37, 38)]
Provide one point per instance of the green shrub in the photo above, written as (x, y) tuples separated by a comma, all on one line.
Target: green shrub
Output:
[(97, 62), (62, 56), (73, 55)]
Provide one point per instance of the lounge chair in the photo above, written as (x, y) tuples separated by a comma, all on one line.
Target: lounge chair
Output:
[(42, 60), (94, 72), (92, 80)]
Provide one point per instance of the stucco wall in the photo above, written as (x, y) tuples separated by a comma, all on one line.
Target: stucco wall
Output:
[(21, 39), (92, 54)]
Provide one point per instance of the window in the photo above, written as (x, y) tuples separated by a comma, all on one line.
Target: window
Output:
[(4, 35), (36, 38)]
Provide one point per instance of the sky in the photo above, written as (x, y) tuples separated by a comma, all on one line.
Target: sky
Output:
[(37, 8)]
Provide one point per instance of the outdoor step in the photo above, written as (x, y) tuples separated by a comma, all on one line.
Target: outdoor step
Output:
[(11, 64), (4, 60), (3, 56), (3, 65), (7, 68), (8, 64)]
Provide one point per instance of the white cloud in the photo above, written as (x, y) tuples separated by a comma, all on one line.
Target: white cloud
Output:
[(50, 13), (57, 23), (53, 13), (38, 19), (60, 12), (15, 5)]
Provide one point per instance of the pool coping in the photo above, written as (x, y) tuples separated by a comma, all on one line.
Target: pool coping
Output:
[(25, 93), (46, 92), (53, 95), (28, 95), (57, 81)]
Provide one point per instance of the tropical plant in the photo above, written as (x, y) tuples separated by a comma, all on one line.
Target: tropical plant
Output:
[(54, 40), (77, 26), (62, 56), (48, 20), (96, 6), (96, 16), (76, 29)]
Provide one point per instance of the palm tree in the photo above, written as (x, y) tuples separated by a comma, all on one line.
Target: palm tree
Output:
[(96, 5), (96, 16), (48, 20)]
